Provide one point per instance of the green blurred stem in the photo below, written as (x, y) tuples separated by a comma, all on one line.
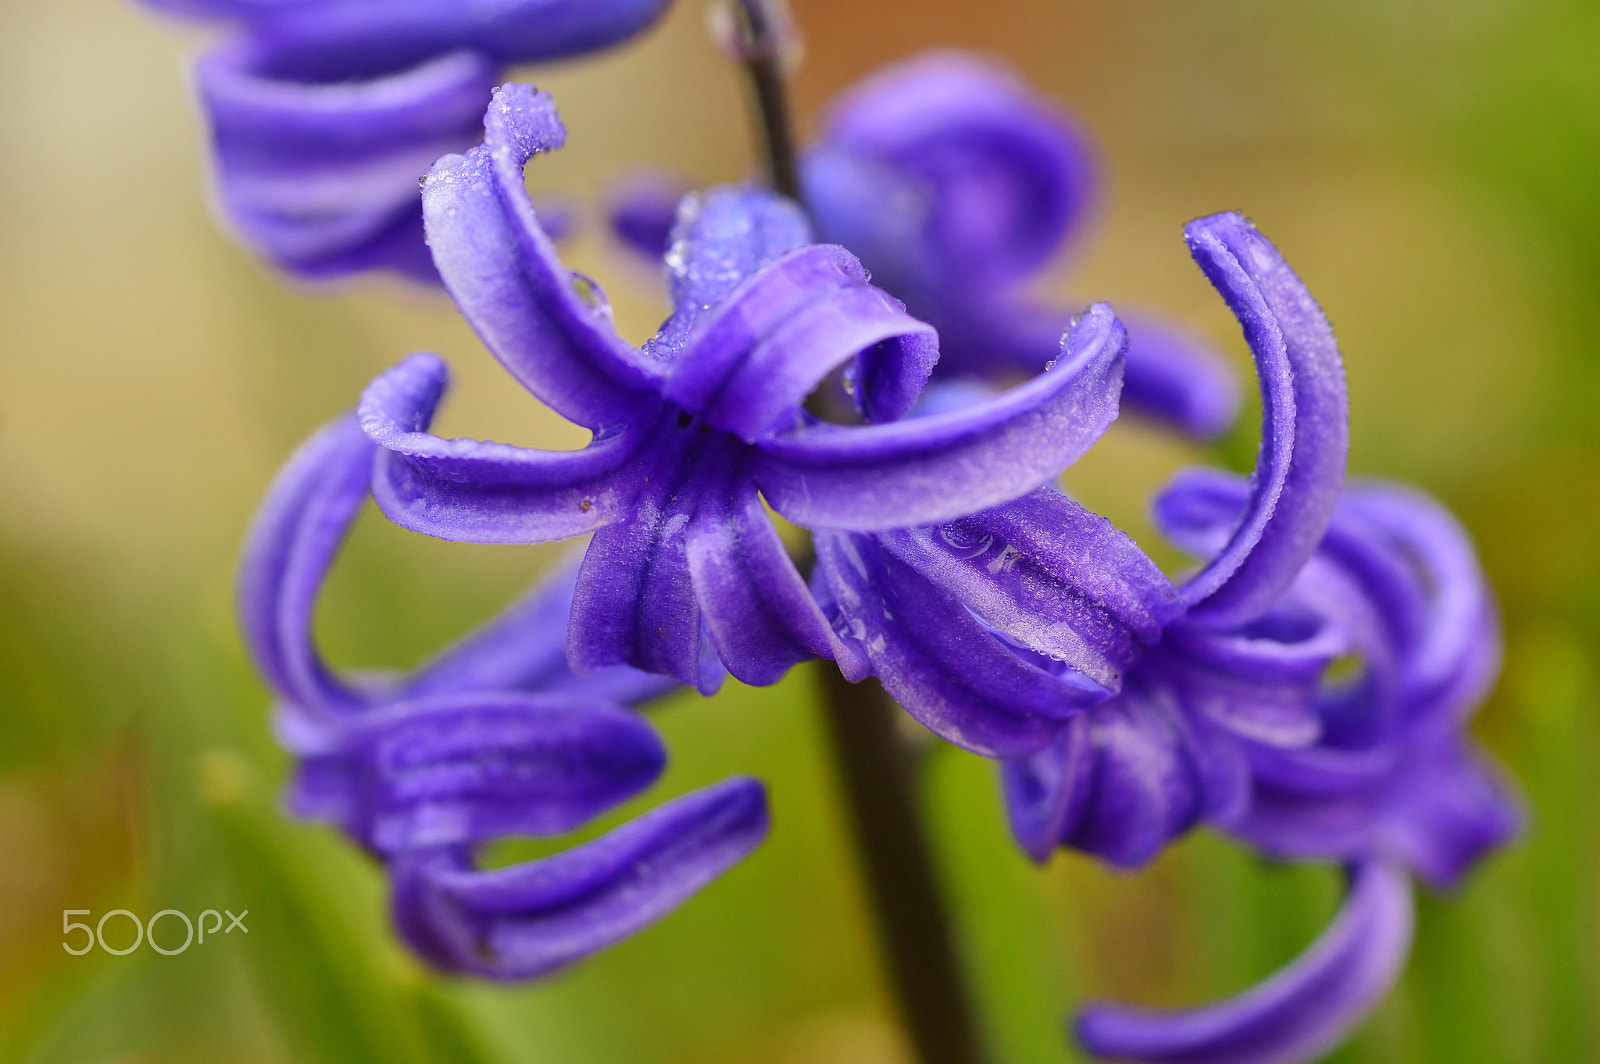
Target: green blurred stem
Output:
[(761, 48), (879, 778)]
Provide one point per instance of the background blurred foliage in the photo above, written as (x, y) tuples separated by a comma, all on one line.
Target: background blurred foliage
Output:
[(1430, 169)]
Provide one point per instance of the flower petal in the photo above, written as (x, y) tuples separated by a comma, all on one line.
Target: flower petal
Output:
[(756, 357), (472, 491), (322, 178), (530, 919), (1260, 682), (635, 600), (1447, 811), (944, 466), (1305, 423), (1296, 1015), (945, 667), (549, 327), (1007, 175), (1120, 784), (336, 41), (757, 610), (1051, 576), (1458, 655), (466, 767), (293, 541)]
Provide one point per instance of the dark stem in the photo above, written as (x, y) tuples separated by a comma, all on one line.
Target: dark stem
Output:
[(879, 777), (762, 49), (875, 766)]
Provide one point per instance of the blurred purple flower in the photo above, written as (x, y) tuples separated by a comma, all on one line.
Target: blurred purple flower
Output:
[(496, 737), (956, 186), (1375, 770), (325, 113), (694, 431)]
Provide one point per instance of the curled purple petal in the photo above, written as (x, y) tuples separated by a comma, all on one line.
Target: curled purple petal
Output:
[(1447, 811), (337, 41), (757, 355), (1296, 1015), (1305, 423), (1459, 654), (530, 919), (462, 768), (322, 178), (1008, 176), (1052, 576), (550, 328), (292, 543), (474, 491), (951, 672), (938, 468), (1260, 682)]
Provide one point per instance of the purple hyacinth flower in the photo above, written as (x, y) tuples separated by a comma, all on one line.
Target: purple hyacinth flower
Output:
[(493, 738), (956, 186), (705, 423), (1232, 717), (324, 114), (1053, 605)]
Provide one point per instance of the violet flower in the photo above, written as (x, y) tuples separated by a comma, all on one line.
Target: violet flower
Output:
[(1026, 614), (493, 738), (956, 186), (1213, 694), (695, 430), (1376, 772), (325, 113)]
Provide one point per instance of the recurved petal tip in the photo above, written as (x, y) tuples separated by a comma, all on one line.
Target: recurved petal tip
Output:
[(1293, 1017)]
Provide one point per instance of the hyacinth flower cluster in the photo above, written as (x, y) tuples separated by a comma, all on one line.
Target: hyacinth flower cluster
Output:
[(325, 113), (496, 737), (1304, 690), (1224, 712)]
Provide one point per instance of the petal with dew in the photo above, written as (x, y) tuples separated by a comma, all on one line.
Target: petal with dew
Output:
[(1305, 423), (944, 466), (479, 492), (952, 673), (757, 355), (549, 327), (1052, 576)]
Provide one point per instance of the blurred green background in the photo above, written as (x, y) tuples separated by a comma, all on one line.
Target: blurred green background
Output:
[(1429, 168)]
